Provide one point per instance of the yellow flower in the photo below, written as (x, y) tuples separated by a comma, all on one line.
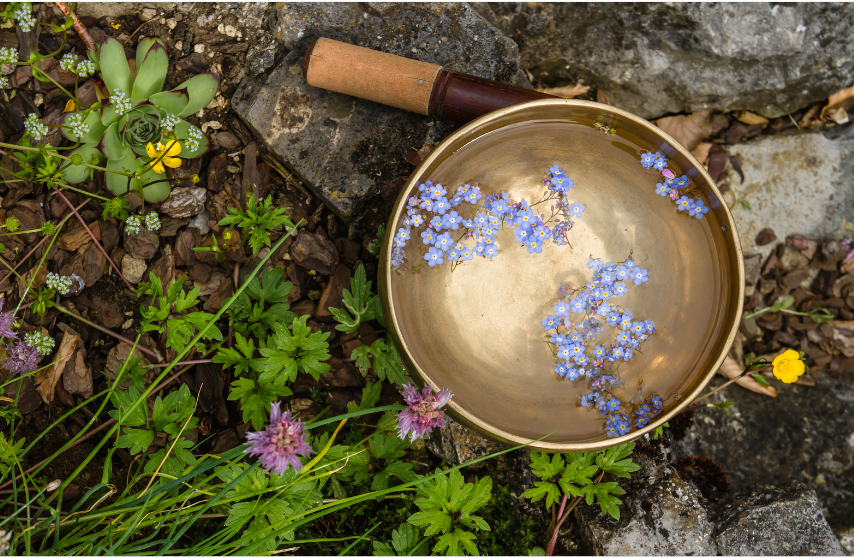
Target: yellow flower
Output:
[(170, 159), (788, 366)]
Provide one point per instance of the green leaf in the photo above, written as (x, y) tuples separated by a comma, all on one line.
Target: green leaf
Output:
[(116, 183), (543, 489), (111, 145), (361, 359), (182, 132), (115, 71), (387, 363), (387, 446), (241, 356), (137, 440), (370, 396), (760, 379), (200, 89), (604, 492), (145, 43), (298, 350), (456, 543), (574, 474), (397, 469), (723, 405), (481, 493), (435, 521), (612, 460), (75, 174), (151, 71), (546, 467), (356, 300), (406, 541), (172, 102)]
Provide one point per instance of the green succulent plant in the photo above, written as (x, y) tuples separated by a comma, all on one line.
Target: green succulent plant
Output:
[(139, 113)]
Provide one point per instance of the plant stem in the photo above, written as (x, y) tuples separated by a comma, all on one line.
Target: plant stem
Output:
[(563, 515), (200, 361), (95, 240), (743, 374), (102, 329), (78, 25)]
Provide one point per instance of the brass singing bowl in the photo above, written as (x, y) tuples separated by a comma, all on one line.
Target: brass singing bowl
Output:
[(477, 330)]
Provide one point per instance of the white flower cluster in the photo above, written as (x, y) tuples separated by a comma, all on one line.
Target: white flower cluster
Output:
[(120, 101), (25, 18), (76, 125), (152, 222), (133, 224), (170, 122), (42, 343), (68, 61), (4, 82), (195, 136), (59, 283), (8, 55), (85, 68), (34, 126)]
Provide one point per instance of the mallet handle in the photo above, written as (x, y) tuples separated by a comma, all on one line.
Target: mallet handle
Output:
[(408, 84)]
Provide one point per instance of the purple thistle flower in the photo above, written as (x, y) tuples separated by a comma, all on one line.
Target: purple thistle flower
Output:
[(423, 414), (7, 320), (21, 358), (280, 443)]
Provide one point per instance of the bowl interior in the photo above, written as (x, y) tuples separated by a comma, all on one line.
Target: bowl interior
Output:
[(477, 330)]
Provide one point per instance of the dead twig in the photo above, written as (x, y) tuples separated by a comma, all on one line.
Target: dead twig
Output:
[(78, 25), (95, 240)]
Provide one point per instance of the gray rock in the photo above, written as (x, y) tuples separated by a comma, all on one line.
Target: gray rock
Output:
[(662, 513), (805, 434), (120, 9), (133, 268), (801, 184), (457, 444), (142, 245), (184, 202), (315, 252), (665, 519), (200, 222), (774, 521), (846, 539), (342, 147), (660, 58)]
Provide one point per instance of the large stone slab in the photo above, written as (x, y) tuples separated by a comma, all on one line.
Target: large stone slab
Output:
[(774, 521), (343, 147), (659, 58), (804, 434), (800, 184)]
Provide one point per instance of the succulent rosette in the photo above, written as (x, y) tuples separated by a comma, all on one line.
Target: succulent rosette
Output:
[(139, 114)]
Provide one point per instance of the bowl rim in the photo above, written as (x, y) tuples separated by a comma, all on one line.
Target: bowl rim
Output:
[(464, 417)]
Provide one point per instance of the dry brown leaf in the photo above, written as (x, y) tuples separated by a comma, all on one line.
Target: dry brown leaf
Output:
[(47, 378), (731, 369), (838, 104), (701, 152), (601, 97), (567, 92), (77, 379), (689, 130), (811, 118), (750, 118)]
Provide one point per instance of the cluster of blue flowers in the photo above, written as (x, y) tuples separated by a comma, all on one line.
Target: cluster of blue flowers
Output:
[(455, 238), (574, 342), (671, 185)]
